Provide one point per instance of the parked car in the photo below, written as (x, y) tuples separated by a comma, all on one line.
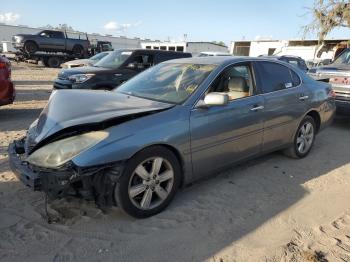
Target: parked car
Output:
[(85, 62), (51, 41), (114, 69), (100, 46), (338, 75), (173, 124), (7, 89), (293, 60), (203, 54)]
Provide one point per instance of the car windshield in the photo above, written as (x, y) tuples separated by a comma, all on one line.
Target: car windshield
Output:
[(114, 59), (98, 56), (169, 82), (344, 58)]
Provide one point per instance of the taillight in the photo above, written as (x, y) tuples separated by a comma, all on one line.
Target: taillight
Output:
[(6, 66), (340, 80)]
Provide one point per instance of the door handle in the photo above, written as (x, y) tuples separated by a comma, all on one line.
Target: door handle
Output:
[(257, 108), (302, 98)]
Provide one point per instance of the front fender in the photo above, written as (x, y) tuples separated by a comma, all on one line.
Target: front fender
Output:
[(169, 128)]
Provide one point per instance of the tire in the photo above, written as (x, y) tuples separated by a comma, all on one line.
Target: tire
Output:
[(308, 139), (78, 51), (140, 197), (30, 47), (54, 62), (44, 61)]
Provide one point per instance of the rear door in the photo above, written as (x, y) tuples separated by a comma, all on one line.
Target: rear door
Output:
[(284, 98), (222, 135)]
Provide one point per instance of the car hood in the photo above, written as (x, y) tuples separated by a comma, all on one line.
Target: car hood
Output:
[(65, 73), (78, 62), (24, 35), (77, 108)]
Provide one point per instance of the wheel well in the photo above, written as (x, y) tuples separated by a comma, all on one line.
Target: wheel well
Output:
[(316, 116), (30, 41), (77, 45)]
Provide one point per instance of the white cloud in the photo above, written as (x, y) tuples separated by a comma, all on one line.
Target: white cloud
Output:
[(115, 26), (9, 17)]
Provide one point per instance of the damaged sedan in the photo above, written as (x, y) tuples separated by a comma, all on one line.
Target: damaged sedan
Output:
[(175, 123)]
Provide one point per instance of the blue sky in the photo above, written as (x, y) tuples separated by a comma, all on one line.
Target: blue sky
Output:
[(201, 20)]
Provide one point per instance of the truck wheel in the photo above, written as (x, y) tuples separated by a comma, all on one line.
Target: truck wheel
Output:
[(54, 62), (78, 51), (30, 47), (44, 61)]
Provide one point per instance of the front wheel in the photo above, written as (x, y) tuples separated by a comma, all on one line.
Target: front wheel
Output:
[(304, 139), (149, 182), (30, 47)]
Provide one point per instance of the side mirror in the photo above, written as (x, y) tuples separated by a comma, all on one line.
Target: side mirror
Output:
[(213, 99), (132, 65)]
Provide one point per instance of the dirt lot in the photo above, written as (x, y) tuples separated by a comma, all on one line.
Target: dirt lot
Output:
[(269, 209)]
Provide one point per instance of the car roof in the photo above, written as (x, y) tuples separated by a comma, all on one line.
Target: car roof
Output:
[(224, 60), (282, 56), (150, 51), (212, 60)]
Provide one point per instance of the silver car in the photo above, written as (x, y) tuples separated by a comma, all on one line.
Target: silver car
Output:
[(171, 125), (85, 62)]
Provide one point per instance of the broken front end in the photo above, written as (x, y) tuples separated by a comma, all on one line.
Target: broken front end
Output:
[(91, 183)]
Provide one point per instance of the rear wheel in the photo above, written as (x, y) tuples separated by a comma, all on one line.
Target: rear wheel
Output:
[(303, 139), (148, 183), (78, 51), (54, 62), (30, 47), (44, 61)]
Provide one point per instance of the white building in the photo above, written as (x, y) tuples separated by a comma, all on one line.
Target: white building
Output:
[(306, 49), (7, 31), (191, 47)]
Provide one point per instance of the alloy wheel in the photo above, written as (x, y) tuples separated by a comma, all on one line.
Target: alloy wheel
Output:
[(151, 183), (305, 137)]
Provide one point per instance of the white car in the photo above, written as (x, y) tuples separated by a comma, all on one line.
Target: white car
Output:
[(201, 54), (85, 62)]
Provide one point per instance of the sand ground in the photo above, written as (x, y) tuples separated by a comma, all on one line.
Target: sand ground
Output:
[(269, 209)]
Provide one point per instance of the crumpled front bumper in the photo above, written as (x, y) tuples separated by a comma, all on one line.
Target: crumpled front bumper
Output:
[(54, 182), (88, 182), (21, 168)]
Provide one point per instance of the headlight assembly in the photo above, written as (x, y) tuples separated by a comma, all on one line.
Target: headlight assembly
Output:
[(18, 39), (59, 152), (80, 78)]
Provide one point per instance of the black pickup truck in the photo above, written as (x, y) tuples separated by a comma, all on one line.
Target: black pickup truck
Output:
[(51, 41)]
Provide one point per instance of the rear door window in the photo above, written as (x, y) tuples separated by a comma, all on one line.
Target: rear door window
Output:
[(295, 78), (274, 77)]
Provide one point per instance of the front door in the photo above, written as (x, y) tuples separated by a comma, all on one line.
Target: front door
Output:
[(222, 135)]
